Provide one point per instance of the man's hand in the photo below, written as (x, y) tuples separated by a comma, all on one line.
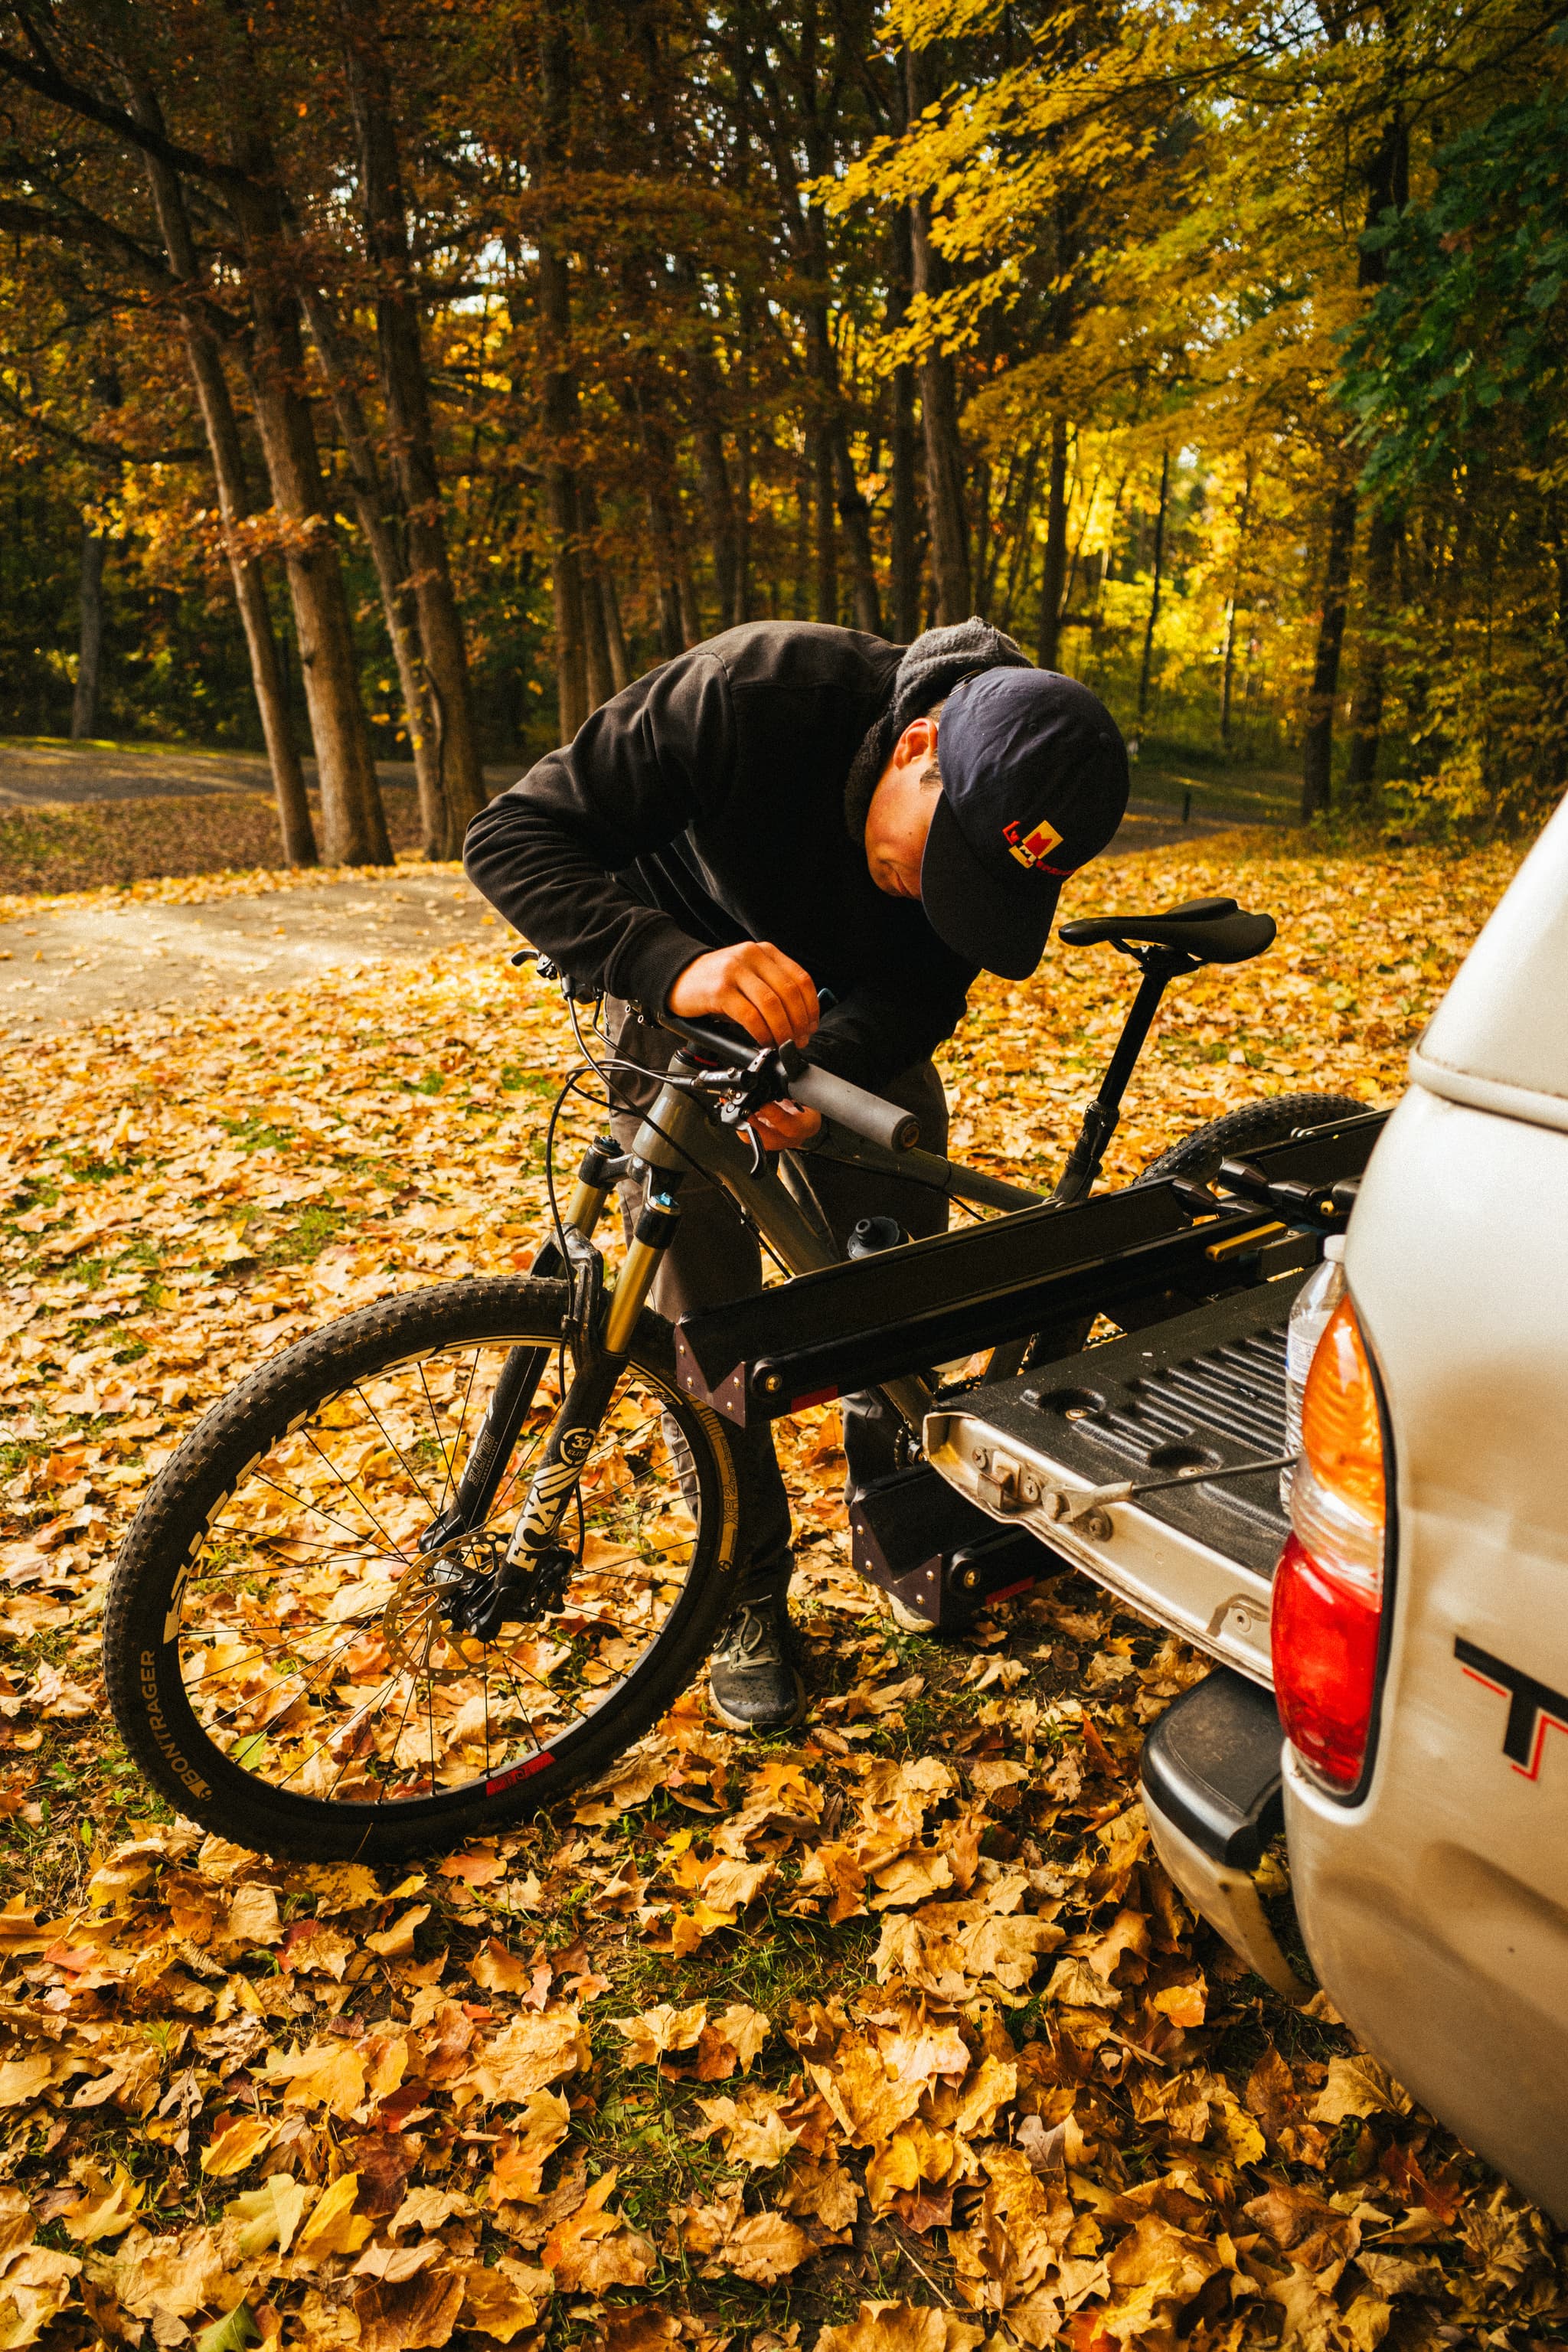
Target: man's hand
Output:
[(785, 1126), (774, 1000)]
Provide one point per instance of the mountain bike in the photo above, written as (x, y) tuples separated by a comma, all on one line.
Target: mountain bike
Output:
[(440, 1561)]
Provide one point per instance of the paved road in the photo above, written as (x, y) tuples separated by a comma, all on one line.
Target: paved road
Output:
[(50, 776), (74, 966), (68, 966), (42, 775)]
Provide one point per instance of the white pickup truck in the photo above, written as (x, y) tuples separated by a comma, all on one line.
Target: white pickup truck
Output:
[(1409, 1631)]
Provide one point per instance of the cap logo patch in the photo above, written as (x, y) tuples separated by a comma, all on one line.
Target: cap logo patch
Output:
[(1036, 847)]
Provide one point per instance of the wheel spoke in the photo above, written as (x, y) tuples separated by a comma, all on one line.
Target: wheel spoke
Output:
[(391, 1699), (391, 1442), (330, 1518), (462, 1423), (348, 1488)]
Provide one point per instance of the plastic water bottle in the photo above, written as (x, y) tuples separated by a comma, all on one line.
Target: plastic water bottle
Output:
[(1315, 1302)]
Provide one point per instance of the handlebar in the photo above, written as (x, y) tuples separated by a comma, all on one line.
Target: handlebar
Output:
[(866, 1115), (850, 1106)]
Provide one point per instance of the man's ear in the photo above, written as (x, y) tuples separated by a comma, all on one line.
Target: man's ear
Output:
[(917, 744)]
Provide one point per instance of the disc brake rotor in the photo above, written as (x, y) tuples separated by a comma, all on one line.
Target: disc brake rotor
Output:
[(414, 1624)]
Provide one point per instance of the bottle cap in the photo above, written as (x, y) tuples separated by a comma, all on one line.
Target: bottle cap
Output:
[(1334, 1249)]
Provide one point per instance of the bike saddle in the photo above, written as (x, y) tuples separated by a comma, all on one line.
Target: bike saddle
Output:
[(1214, 930)]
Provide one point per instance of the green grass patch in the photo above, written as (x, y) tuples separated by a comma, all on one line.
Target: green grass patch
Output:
[(302, 1242), (253, 1133)]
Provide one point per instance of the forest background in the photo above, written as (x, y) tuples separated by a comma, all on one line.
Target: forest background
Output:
[(383, 381)]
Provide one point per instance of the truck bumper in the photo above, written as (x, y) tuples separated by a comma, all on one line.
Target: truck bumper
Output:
[(1211, 1788)]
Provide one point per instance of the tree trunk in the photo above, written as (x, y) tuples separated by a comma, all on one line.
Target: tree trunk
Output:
[(982, 530), (854, 514), (1366, 709), (938, 414), (266, 677), (836, 487), (222, 429), (802, 538), (1147, 665), (1053, 577), (1107, 547), (1387, 189), (608, 668), (410, 440), (716, 488), (89, 659), (825, 551), (353, 819), (904, 558), (382, 522), (1022, 539), (1317, 761), (719, 505), (559, 384), (686, 581), (566, 586), (620, 658), (657, 465), (743, 525), (903, 561), (1227, 668), (597, 665), (1020, 557), (944, 461)]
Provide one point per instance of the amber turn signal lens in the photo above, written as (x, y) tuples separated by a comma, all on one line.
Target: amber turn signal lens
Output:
[(1341, 1436)]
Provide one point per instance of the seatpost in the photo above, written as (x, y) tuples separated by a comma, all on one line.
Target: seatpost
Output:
[(1159, 966)]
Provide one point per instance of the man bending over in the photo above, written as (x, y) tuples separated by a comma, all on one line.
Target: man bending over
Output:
[(787, 813)]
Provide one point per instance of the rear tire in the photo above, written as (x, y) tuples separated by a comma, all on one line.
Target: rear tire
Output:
[(1274, 1119), (276, 1646)]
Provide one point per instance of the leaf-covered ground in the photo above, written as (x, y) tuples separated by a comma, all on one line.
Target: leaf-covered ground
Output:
[(108, 844), (890, 2035)]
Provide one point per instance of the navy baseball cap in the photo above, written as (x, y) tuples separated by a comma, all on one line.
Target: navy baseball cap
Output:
[(1034, 784)]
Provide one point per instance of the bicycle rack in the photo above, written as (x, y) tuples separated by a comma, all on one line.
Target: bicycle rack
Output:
[(1139, 1255)]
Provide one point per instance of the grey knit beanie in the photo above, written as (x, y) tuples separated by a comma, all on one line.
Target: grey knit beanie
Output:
[(931, 668)]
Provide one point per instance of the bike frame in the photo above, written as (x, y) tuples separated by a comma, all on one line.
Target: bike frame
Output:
[(679, 1134)]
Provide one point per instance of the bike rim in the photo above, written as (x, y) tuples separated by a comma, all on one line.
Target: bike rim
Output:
[(316, 1653)]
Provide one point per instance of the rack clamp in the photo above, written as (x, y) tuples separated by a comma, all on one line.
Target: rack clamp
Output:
[(1321, 1208)]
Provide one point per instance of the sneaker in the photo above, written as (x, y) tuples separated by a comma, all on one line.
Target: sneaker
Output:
[(752, 1673)]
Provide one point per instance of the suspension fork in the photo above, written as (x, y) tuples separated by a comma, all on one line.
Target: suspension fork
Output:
[(599, 1367), (524, 1367)]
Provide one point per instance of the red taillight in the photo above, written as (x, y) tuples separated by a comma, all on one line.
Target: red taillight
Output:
[(1325, 1638), (1328, 1588)]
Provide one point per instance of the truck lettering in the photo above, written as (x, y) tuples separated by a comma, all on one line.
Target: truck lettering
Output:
[(1533, 1707)]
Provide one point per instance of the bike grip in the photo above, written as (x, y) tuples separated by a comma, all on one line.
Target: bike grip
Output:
[(849, 1106)]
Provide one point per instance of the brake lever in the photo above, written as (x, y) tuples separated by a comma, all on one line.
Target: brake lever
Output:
[(767, 1079), (548, 970)]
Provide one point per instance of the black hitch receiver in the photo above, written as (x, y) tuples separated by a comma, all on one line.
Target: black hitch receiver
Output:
[(917, 1537)]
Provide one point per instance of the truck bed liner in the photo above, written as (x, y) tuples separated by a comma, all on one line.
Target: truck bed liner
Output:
[(1205, 1390)]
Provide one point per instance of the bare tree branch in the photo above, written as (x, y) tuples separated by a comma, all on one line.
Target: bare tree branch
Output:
[(47, 80), (102, 453)]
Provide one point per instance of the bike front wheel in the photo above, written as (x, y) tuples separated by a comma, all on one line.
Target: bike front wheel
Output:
[(287, 1653)]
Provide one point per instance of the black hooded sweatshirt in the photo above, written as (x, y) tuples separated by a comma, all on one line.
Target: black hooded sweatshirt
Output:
[(706, 805)]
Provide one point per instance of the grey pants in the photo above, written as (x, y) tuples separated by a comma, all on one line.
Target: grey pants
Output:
[(714, 1258)]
